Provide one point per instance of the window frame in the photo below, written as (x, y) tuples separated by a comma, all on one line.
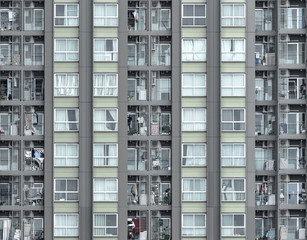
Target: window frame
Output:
[(233, 157), (194, 122), (193, 87), (233, 227), (232, 87), (105, 88), (66, 122), (66, 227), (66, 52), (194, 192), (113, 55), (104, 123), (66, 156), (233, 17), (233, 52), (66, 192), (105, 227), (193, 17), (65, 17), (66, 88), (104, 193), (105, 157), (233, 122), (105, 17), (194, 228), (194, 157), (233, 192), (193, 51)]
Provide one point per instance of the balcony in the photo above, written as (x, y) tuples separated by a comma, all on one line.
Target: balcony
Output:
[(161, 15), (34, 16), (161, 86), (161, 120), (161, 225), (33, 86), (160, 155), (137, 191), (293, 193), (137, 155), (291, 52), (265, 225), (9, 155), (9, 51), (33, 51), (263, 19), (33, 225), (33, 120), (263, 89), (34, 156), (292, 156), (10, 15), (292, 18), (33, 191), (10, 225), (9, 191), (137, 225), (9, 120), (9, 85), (265, 193), (137, 86), (292, 226), (264, 159), (265, 120), (292, 123), (292, 88), (137, 19), (161, 50), (137, 50), (265, 52), (161, 190), (137, 120)]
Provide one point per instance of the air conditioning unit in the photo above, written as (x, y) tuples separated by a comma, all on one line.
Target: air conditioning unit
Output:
[(29, 39), (285, 178), (284, 143), (284, 213), (302, 233), (29, 4), (267, 144), (156, 4), (284, 38), (284, 73), (284, 3), (284, 108), (141, 39)]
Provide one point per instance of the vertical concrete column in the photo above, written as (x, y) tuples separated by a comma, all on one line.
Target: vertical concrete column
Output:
[(213, 119), (48, 108), (85, 118)]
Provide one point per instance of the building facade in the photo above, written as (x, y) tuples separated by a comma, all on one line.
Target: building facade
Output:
[(152, 119)]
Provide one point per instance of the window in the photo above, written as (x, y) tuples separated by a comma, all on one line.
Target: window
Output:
[(233, 15), (66, 224), (66, 189), (193, 14), (34, 19), (291, 53), (233, 154), (105, 154), (233, 50), (105, 189), (33, 54), (194, 50), (193, 119), (66, 84), (105, 224), (105, 14), (66, 50), (105, 84), (193, 225), (233, 119), (233, 189), (292, 18), (194, 84), (105, 119), (233, 225), (66, 155), (194, 189), (105, 49), (66, 120), (233, 85), (66, 15), (193, 154)]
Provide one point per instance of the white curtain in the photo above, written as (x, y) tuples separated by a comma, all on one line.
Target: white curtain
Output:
[(105, 15), (60, 118), (226, 49), (105, 85), (105, 155), (194, 189), (105, 190), (227, 15), (66, 85), (72, 13), (99, 225), (194, 225), (187, 48), (72, 50), (199, 50), (60, 48), (239, 19), (227, 83)]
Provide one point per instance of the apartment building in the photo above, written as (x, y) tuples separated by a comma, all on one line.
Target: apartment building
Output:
[(152, 119)]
